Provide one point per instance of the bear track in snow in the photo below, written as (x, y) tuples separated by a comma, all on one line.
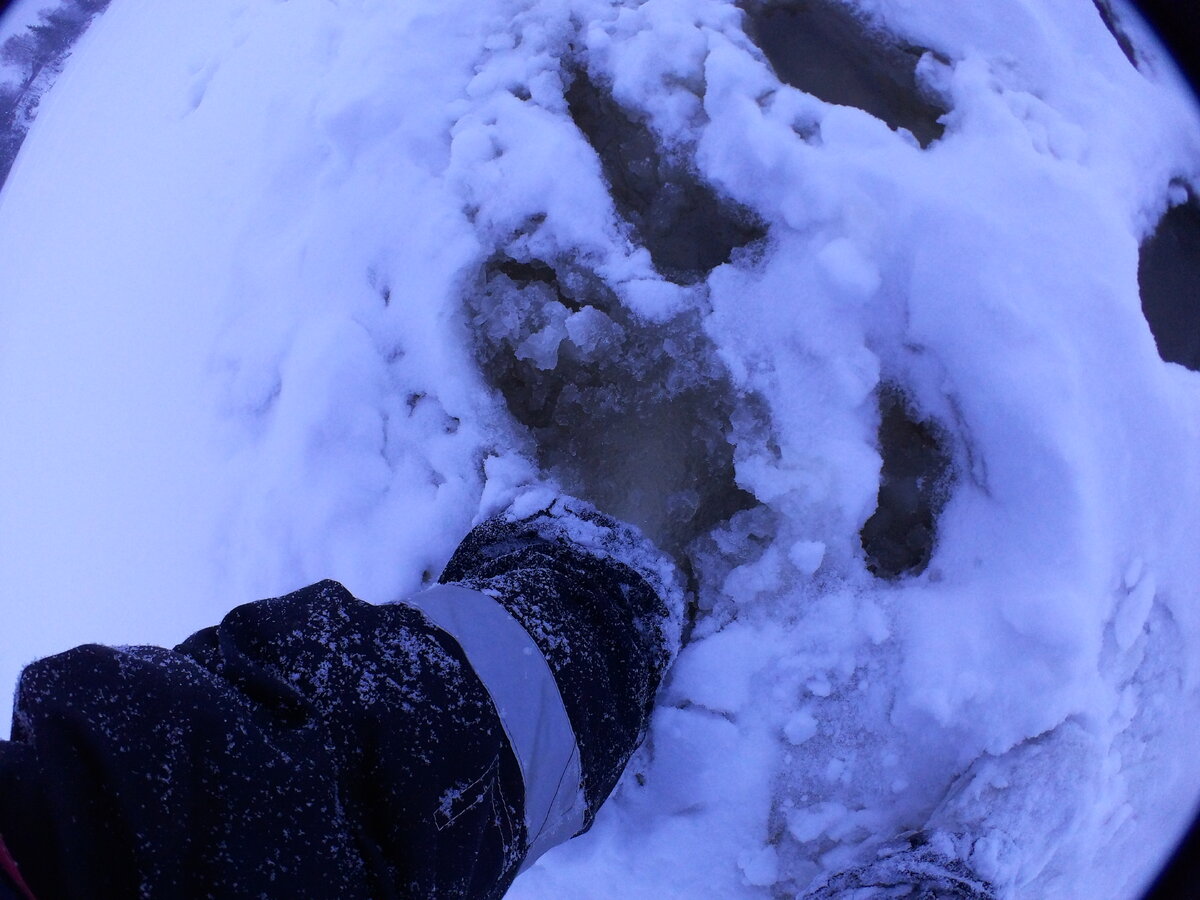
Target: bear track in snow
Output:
[(632, 415), (635, 416)]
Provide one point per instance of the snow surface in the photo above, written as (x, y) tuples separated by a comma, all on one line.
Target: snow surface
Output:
[(242, 253)]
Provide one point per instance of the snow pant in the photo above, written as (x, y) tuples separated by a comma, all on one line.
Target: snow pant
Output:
[(314, 745)]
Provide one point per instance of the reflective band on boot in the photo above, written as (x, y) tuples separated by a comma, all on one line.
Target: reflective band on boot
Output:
[(529, 704)]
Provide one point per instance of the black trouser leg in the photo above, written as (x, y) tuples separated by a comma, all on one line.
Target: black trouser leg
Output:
[(318, 746), (308, 746)]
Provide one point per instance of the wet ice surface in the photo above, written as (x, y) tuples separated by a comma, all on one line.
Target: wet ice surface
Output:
[(301, 290), (832, 51)]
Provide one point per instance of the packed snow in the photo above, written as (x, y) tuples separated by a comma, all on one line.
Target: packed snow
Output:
[(302, 290)]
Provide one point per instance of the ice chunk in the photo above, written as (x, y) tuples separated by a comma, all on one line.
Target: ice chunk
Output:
[(800, 727), (760, 867)]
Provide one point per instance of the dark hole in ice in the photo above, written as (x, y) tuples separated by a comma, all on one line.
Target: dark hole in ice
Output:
[(687, 228), (1113, 24), (1169, 279), (899, 537), (633, 417), (528, 272), (822, 48)]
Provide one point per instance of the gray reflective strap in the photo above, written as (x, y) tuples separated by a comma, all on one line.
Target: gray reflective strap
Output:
[(526, 696)]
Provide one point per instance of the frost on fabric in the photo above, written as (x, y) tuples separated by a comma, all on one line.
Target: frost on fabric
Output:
[(940, 877), (1169, 278), (571, 521)]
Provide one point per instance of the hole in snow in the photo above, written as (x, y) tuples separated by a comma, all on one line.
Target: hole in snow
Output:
[(899, 537), (1113, 24), (679, 219), (633, 416), (823, 48), (1169, 279)]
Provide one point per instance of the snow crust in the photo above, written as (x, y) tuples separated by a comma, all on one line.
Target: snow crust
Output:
[(253, 334)]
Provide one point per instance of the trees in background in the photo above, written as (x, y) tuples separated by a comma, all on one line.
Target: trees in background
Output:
[(29, 63)]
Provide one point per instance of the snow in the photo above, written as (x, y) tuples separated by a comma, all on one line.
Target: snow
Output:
[(256, 332)]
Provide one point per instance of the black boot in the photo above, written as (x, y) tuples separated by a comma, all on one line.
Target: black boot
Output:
[(314, 745), (602, 605)]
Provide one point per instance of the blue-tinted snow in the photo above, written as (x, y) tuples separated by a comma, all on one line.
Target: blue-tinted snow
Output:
[(236, 356)]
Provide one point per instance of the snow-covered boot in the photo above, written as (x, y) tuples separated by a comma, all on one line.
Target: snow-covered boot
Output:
[(603, 607), (592, 604), (1009, 815), (910, 868)]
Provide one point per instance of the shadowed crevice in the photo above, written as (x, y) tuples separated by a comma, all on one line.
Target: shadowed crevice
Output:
[(688, 229), (1169, 281), (823, 48), (914, 484)]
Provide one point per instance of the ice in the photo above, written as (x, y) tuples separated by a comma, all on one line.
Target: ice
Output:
[(301, 290), (1169, 270), (686, 227), (35, 41), (830, 50)]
